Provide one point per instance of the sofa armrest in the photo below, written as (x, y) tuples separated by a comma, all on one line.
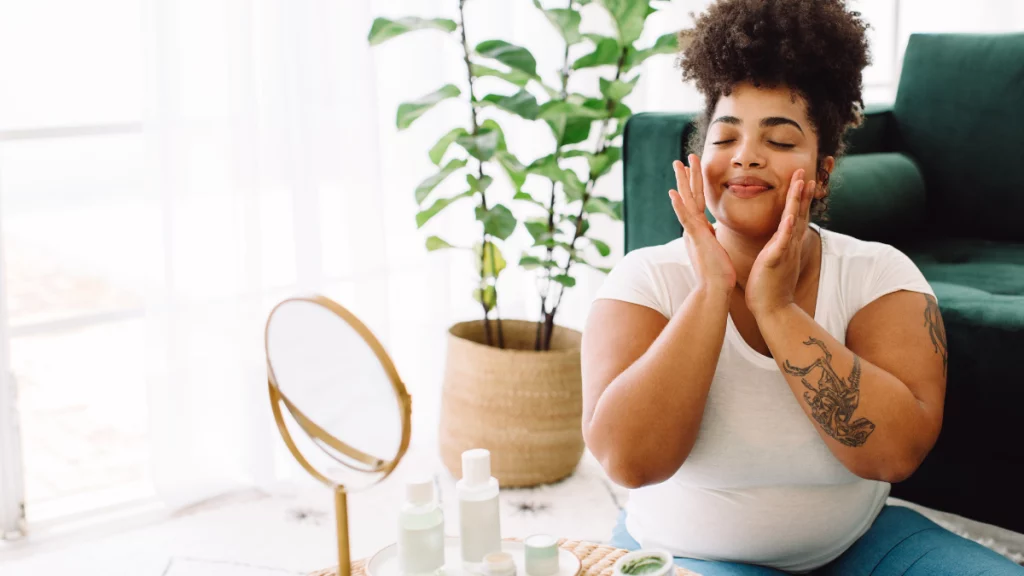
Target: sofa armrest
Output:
[(876, 134), (651, 142)]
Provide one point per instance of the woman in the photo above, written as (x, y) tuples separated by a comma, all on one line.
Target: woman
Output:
[(760, 382)]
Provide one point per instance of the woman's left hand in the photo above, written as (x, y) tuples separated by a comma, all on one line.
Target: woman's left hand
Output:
[(771, 285)]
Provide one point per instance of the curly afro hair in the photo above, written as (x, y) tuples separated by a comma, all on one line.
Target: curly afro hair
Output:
[(817, 48)]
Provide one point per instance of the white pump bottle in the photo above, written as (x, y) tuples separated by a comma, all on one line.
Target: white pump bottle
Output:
[(479, 522)]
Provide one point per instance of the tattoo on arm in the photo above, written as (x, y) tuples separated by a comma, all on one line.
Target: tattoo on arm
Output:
[(834, 399), (936, 329)]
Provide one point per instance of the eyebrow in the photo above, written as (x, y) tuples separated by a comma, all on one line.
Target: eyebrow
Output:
[(765, 122)]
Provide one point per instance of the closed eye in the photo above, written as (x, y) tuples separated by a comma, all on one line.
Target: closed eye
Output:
[(781, 145), (724, 141)]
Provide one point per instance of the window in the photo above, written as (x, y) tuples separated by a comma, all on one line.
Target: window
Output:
[(77, 234)]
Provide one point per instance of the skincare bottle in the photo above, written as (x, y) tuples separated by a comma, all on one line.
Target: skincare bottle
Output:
[(420, 531), (479, 523)]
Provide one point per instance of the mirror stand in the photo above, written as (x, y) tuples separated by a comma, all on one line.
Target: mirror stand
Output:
[(341, 517)]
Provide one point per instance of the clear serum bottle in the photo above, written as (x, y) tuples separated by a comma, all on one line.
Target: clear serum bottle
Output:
[(420, 531)]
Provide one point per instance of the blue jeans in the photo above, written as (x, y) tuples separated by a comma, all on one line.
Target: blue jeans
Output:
[(900, 542)]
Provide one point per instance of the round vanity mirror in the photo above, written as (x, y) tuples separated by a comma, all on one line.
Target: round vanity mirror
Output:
[(338, 401)]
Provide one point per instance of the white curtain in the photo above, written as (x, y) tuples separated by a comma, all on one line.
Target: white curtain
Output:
[(273, 152)]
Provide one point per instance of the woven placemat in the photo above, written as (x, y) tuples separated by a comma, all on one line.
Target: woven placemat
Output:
[(597, 560)]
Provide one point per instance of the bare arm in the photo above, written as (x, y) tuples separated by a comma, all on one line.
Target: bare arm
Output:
[(877, 401), (646, 381)]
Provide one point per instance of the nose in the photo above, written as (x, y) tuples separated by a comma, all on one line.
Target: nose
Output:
[(748, 155)]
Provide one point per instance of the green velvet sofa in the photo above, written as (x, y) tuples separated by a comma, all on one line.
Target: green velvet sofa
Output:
[(939, 174)]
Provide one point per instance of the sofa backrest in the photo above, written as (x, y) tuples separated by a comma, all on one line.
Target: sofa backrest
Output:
[(959, 114)]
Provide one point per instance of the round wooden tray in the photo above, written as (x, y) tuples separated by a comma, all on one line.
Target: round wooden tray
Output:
[(597, 560)]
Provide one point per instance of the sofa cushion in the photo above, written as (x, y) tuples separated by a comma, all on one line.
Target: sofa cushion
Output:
[(878, 197), (959, 113), (986, 267)]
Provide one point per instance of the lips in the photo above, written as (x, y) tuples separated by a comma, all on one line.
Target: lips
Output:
[(747, 186)]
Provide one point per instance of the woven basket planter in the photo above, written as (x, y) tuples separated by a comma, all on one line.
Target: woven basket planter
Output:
[(522, 405)]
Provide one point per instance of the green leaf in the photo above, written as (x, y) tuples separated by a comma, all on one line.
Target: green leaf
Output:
[(600, 164), (558, 108), (600, 105), (437, 151), (491, 124), (517, 77), (620, 129), (538, 229), (567, 247), (383, 29), (521, 103), (629, 16), (599, 205), (527, 198), (617, 89), (606, 51), (564, 280), (573, 187), (483, 145), (567, 21), (532, 262), (515, 57), (513, 167), (621, 111), (488, 297), (602, 248), (572, 218), (425, 187), (665, 44), (498, 221), (569, 122), (408, 112), (604, 162), (547, 166), (478, 185), (436, 243), (440, 204), (576, 130), (494, 262)]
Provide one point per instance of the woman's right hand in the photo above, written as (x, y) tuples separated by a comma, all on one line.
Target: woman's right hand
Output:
[(710, 260)]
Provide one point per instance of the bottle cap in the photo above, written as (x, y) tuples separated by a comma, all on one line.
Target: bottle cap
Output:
[(476, 466), (419, 491), (541, 555), (499, 564)]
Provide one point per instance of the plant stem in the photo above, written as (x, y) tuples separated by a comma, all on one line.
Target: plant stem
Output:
[(601, 147), (541, 340), (483, 195)]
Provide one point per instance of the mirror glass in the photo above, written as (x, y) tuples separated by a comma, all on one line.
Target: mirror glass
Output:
[(339, 397)]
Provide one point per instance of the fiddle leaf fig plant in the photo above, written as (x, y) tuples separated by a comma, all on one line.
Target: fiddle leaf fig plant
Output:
[(585, 131)]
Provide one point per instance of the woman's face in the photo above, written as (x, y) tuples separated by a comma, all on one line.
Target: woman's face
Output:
[(757, 139)]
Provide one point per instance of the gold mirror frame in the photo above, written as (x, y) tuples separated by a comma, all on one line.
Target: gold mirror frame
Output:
[(373, 465)]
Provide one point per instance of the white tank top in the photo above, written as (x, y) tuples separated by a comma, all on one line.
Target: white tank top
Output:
[(760, 486)]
